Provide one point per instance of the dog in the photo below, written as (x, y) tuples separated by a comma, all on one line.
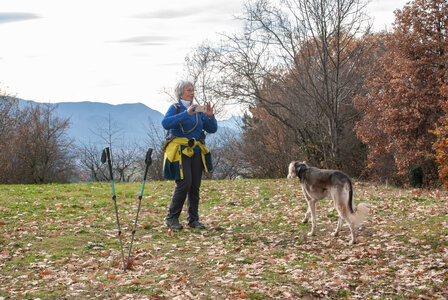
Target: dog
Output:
[(318, 184)]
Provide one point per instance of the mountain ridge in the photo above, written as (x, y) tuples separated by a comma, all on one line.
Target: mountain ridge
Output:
[(131, 120)]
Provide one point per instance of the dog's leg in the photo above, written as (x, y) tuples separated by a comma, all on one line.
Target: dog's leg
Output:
[(353, 232), (339, 209), (312, 205), (307, 214), (338, 228), (335, 196)]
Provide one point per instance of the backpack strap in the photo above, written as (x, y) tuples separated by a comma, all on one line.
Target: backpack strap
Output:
[(169, 137), (177, 106)]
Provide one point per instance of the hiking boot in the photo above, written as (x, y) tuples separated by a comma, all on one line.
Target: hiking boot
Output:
[(196, 224), (173, 224)]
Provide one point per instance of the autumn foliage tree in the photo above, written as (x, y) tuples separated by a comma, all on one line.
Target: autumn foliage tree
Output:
[(403, 96), (291, 113), (267, 145), (441, 144)]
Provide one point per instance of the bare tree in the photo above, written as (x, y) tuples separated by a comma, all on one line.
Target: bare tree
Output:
[(127, 162), (108, 131), (38, 149), (203, 67), (8, 116), (49, 154), (155, 138), (228, 162), (8, 107), (302, 61), (89, 162), (126, 155)]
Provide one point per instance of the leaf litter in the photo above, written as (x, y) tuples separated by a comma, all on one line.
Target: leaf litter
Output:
[(61, 241)]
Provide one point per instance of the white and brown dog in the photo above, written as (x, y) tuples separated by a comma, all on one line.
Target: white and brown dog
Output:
[(318, 184)]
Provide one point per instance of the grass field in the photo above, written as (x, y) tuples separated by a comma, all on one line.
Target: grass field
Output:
[(60, 241)]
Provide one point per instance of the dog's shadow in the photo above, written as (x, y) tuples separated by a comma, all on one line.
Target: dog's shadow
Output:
[(327, 225)]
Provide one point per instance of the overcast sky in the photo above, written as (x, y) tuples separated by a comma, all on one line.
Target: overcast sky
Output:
[(113, 51)]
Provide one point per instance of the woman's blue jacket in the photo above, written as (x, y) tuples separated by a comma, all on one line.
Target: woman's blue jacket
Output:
[(172, 120)]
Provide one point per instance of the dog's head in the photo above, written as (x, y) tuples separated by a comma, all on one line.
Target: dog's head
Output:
[(295, 167)]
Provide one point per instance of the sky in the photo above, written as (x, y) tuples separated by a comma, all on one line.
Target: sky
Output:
[(115, 51)]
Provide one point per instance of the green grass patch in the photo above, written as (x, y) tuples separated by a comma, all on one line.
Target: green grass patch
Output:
[(61, 241)]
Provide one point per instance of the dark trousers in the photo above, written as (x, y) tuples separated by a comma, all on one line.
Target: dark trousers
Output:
[(192, 169)]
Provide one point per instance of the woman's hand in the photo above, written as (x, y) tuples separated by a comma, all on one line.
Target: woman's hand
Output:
[(191, 110), (209, 111)]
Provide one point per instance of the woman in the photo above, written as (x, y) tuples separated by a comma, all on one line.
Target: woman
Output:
[(185, 154)]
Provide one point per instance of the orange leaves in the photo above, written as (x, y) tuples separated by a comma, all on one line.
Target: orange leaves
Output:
[(440, 146), (404, 94), (241, 295), (4, 254), (240, 257), (46, 272), (131, 263)]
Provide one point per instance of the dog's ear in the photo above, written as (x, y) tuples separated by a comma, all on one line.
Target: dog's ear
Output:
[(299, 166)]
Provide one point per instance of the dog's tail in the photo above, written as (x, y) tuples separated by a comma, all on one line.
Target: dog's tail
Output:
[(360, 214), (292, 170)]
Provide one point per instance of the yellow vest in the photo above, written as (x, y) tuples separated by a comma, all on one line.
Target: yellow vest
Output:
[(172, 160)]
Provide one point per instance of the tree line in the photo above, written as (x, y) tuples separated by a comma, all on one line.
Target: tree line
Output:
[(35, 148), (319, 86)]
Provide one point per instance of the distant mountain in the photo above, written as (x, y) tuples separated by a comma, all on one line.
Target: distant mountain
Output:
[(234, 122), (87, 118), (132, 120)]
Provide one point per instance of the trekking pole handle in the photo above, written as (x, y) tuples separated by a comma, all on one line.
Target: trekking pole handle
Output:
[(109, 162), (148, 161)]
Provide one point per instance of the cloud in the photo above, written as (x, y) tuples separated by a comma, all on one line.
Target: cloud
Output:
[(16, 16), (146, 40), (386, 6), (173, 64), (215, 8), (168, 13), (107, 83)]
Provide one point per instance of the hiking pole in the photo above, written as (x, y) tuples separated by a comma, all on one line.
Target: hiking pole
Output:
[(148, 162), (104, 155)]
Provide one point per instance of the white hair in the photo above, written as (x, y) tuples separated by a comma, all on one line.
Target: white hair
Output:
[(180, 86)]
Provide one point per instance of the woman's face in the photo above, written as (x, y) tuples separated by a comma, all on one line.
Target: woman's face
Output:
[(188, 93)]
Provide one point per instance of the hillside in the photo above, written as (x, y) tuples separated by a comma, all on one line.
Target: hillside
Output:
[(131, 120), (86, 117), (60, 241)]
